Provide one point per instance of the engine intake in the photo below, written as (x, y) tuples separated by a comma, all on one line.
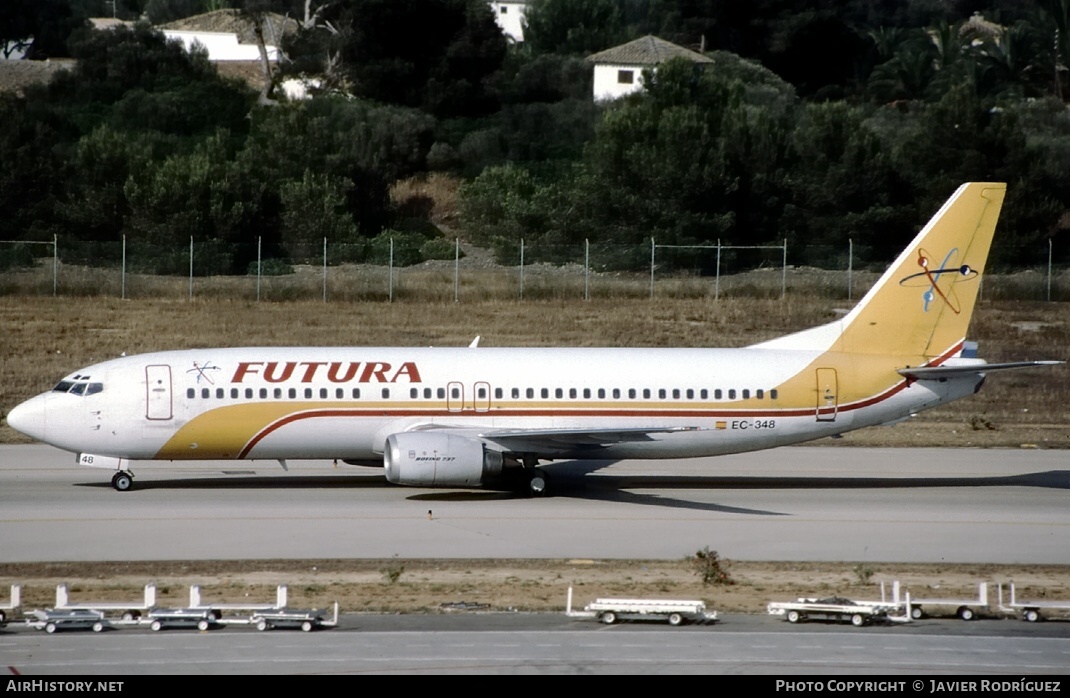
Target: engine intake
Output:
[(439, 459)]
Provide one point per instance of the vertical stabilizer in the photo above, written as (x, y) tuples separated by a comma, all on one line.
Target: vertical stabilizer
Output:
[(921, 306)]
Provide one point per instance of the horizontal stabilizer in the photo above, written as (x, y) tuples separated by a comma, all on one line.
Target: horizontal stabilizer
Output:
[(936, 372)]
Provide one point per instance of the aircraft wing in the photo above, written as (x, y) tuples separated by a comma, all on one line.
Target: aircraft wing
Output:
[(937, 372), (564, 440), (556, 440)]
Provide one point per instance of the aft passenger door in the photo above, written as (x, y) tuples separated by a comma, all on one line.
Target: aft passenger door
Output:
[(827, 391)]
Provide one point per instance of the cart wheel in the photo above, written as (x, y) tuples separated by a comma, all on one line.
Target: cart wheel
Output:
[(858, 620), (307, 626), (917, 613), (202, 624), (3, 617), (50, 627), (129, 615), (609, 617), (966, 613), (794, 616), (261, 624), (675, 619), (98, 626), (1032, 615), (156, 625)]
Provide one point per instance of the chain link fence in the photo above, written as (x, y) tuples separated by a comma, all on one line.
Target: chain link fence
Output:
[(395, 271)]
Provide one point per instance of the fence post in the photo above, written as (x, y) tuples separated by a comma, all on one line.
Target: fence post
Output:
[(122, 286), (717, 274), (850, 264), (325, 269), (456, 268), (258, 267), (784, 272), (390, 273), (1049, 270), (55, 263), (652, 247), (586, 269), (191, 267), (521, 268)]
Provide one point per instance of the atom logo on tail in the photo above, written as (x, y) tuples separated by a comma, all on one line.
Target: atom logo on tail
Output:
[(940, 282)]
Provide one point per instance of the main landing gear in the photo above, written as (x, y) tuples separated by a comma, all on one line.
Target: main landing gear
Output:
[(527, 479), (122, 480)]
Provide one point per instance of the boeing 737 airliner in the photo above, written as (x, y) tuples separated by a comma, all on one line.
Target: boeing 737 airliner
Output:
[(465, 417)]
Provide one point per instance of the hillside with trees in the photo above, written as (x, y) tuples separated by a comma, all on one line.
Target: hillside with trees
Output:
[(817, 123)]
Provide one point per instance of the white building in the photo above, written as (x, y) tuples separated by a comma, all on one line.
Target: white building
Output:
[(618, 71), (228, 36), (510, 17)]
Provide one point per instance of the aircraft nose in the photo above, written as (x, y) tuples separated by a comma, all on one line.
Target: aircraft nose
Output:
[(30, 418)]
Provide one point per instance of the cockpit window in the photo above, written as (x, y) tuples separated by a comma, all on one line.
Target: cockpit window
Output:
[(78, 387)]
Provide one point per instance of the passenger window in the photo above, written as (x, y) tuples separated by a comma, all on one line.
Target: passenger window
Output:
[(356, 393), (455, 393), (690, 394), (746, 393), (481, 392), (545, 392), (631, 393), (717, 394), (219, 394), (278, 393), (386, 392), (308, 393), (661, 393), (292, 392), (498, 393), (559, 393), (248, 393), (427, 393), (759, 393), (233, 393), (772, 394), (530, 392), (263, 393), (414, 393), (587, 393), (205, 393), (191, 393), (675, 393), (732, 394), (646, 393), (339, 393), (601, 393), (703, 394), (515, 393), (616, 393), (441, 393), (323, 393)]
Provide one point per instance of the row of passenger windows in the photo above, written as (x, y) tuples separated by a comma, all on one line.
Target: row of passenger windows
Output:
[(455, 393)]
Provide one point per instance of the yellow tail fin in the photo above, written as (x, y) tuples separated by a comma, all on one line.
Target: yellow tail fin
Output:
[(921, 306)]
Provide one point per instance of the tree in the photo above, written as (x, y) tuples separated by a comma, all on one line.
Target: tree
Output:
[(39, 28), (572, 26), (436, 55)]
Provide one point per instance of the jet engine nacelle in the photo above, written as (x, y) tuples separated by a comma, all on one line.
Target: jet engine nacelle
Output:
[(438, 459)]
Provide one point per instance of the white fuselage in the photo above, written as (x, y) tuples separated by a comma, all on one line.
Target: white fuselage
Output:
[(279, 403)]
